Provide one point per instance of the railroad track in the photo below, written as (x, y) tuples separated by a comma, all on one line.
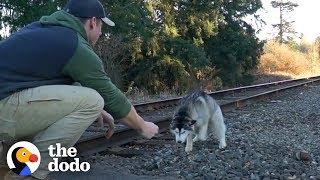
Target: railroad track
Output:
[(160, 112)]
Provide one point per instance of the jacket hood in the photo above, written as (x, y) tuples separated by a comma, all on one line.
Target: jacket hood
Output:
[(62, 18)]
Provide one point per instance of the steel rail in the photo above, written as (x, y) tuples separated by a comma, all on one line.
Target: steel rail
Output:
[(98, 143), (156, 105), (254, 98)]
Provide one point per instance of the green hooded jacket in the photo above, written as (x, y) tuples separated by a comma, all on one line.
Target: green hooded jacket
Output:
[(86, 67)]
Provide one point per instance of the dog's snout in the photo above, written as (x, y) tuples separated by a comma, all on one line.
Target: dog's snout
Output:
[(179, 141)]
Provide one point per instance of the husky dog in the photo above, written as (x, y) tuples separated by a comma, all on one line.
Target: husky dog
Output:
[(197, 115)]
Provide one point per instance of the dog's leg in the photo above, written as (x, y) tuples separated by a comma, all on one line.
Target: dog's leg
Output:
[(196, 131), (220, 131), (195, 138), (222, 141), (219, 128), (203, 132), (189, 144)]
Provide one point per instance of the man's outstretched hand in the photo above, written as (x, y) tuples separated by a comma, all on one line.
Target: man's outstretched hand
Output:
[(145, 128), (108, 119), (149, 129)]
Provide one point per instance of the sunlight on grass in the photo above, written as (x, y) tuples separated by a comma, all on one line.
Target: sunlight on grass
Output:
[(280, 59)]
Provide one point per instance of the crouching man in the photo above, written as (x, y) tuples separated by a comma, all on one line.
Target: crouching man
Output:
[(38, 66)]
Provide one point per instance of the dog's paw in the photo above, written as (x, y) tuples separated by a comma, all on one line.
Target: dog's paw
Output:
[(188, 149), (195, 139), (204, 138), (222, 145)]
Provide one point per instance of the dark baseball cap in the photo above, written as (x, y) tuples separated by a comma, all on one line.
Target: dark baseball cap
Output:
[(87, 9)]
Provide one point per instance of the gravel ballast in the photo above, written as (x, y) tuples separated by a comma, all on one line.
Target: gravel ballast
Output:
[(278, 138)]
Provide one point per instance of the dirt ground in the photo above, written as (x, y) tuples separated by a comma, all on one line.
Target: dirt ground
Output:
[(277, 138)]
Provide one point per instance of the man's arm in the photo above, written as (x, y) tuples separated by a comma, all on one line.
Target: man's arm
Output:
[(145, 128), (86, 67), (133, 120)]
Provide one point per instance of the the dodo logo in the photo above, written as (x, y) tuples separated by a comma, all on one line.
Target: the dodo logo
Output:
[(23, 158)]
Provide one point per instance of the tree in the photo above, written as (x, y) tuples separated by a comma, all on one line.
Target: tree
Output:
[(165, 44), (235, 50), (285, 26), (15, 14), (164, 39)]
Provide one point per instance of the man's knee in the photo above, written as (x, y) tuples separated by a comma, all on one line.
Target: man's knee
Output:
[(93, 99)]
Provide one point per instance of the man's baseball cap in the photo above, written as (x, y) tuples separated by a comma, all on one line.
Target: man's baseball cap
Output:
[(87, 9)]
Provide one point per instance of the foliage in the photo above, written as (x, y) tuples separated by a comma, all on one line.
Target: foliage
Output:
[(166, 44), (115, 54), (17, 13), (160, 74), (283, 59), (235, 51)]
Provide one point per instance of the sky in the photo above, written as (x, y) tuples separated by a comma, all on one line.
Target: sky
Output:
[(306, 17)]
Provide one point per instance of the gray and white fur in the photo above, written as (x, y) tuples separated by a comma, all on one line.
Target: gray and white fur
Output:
[(198, 115)]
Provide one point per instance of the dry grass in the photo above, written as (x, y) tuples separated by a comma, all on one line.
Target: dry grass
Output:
[(138, 96), (282, 60)]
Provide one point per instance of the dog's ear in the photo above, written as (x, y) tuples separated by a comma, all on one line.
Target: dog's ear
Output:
[(174, 119), (171, 126), (192, 122), (173, 122)]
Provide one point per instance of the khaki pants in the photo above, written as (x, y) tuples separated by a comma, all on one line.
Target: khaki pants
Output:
[(49, 115)]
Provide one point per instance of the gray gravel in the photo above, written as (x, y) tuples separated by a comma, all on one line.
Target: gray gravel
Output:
[(277, 138)]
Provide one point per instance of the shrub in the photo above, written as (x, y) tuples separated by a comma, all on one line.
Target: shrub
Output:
[(281, 58)]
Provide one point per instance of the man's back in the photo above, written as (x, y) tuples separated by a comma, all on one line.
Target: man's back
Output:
[(35, 56)]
